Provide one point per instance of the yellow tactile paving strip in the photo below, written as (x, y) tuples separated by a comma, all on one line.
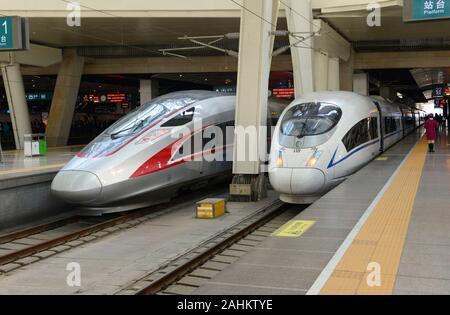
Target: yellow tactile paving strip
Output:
[(31, 169), (382, 237)]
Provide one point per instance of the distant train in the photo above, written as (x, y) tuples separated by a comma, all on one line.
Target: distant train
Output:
[(138, 162), (324, 137)]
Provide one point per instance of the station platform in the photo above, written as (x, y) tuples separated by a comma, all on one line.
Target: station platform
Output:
[(14, 164), (385, 230), (25, 187)]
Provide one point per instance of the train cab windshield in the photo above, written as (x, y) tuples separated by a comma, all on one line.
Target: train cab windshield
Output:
[(141, 119), (310, 119), (136, 121)]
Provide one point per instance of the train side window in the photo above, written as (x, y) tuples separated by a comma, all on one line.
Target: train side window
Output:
[(362, 132), (409, 120), (181, 119), (373, 127), (391, 124)]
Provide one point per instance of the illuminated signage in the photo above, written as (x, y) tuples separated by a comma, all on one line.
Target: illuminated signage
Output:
[(421, 10), (116, 98), (44, 116), (283, 92), (39, 96), (91, 98), (108, 98), (225, 89), (440, 103)]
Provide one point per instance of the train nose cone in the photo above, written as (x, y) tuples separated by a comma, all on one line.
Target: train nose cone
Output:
[(302, 181), (76, 186)]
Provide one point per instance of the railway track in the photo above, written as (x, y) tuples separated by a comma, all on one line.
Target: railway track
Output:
[(191, 270), (30, 245)]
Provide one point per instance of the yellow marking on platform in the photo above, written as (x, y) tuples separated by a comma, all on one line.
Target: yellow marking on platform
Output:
[(31, 169), (382, 158), (381, 239), (293, 228)]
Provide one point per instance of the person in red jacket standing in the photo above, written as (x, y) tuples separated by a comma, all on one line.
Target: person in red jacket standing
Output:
[(431, 126)]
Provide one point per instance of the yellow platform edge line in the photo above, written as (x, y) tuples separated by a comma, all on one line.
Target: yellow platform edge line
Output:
[(381, 239), (31, 169)]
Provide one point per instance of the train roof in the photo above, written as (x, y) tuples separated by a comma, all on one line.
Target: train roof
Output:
[(344, 96), (178, 99)]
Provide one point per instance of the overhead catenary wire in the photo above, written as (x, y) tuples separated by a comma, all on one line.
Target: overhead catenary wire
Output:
[(273, 25), (161, 52), (121, 19), (97, 38), (114, 15), (255, 14), (122, 43), (308, 20)]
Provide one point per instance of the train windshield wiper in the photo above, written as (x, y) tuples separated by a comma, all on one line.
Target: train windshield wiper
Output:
[(133, 129), (301, 135)]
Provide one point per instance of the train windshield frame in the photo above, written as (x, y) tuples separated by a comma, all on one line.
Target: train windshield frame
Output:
[(136, 121), (141, 120), (310, 119)]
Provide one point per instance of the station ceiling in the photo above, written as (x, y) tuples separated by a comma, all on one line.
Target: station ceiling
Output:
[(125, 31), (155, 32), (393, 34), (116, 36)]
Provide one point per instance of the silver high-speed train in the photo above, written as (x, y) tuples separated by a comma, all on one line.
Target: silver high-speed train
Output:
[(150, 154), (324, 137)]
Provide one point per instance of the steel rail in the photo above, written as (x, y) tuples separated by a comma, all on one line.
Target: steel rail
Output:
[(45, 245), (172, 276)]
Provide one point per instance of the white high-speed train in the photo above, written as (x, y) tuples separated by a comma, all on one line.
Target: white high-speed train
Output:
[(147, 156), (324, 137)]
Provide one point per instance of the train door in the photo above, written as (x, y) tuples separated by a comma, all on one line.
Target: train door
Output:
[(190, 150), (403, 120), (380, 126)]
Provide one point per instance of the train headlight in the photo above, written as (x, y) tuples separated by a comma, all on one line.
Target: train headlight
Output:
[(279, 162), (314, 158)]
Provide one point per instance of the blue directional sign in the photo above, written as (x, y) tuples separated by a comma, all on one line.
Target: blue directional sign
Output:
[(438, 91), (421, 10)]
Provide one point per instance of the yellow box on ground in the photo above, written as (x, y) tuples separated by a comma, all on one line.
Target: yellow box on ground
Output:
[(293, 228), (210, 208)]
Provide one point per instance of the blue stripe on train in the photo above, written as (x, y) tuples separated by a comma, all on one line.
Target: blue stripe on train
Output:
[(332, 163)]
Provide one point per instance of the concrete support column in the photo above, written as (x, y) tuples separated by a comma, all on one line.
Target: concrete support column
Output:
[(302, 58), (321, 70), (333, 74), (361, 83), (149, 89), (346, 69), (64, 98), (388, 93), (15, 93), (255, 57)]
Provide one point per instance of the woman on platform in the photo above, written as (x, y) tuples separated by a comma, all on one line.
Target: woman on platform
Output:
[(431, 126)]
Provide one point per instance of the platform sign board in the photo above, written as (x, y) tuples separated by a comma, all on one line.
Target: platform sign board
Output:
[(439, 103), (14, 33), (294, 228), (438, 92), (6, 35), (423, 10)]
